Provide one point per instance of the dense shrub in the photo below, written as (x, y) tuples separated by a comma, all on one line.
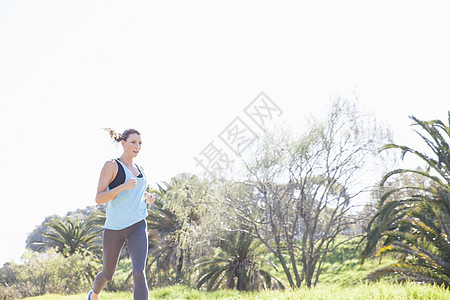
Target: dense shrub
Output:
[(47, 272), (122, 280)]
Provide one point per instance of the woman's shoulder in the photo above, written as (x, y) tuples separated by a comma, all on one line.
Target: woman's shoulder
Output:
[(110, 165)]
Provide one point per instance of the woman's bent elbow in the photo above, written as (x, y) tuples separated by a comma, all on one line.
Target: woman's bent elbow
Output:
[(98, 200), (101, 199)]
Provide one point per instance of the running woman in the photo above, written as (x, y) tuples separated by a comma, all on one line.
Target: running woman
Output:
[(122, 185)]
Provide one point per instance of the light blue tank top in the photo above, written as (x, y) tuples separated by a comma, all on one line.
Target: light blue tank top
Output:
[(129, 207)]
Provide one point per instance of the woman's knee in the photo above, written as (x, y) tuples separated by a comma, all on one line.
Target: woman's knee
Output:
[(138, 275), (108, 275)]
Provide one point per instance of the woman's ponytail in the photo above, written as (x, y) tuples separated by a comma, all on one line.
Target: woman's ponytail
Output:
[(117, 137)]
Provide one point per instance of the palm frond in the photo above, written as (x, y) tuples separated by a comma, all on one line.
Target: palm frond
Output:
[(417, 228)]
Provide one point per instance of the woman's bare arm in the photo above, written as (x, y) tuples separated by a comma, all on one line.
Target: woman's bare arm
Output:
[(106, 176)]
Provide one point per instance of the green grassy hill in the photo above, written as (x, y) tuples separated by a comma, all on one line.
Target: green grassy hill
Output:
[(342, 266)]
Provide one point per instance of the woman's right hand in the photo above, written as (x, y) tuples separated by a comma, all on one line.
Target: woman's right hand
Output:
[(131, 183)]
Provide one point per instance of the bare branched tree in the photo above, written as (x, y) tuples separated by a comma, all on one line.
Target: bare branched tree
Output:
[(299, 191)]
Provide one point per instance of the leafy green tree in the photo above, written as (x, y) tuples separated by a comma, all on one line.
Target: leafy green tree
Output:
[(37, 233), (173, 224), (236, 264), (162, 224), (69, 236), (416, 226)]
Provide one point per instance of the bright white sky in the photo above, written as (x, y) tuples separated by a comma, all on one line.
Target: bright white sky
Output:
[(180, 72)]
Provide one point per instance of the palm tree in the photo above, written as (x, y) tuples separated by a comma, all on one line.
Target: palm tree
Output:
[(166, 260), (416, 228), (68, 236), (170, 251), (237, 264)]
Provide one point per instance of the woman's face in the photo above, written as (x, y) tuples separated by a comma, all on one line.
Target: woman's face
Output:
[(132, 145)]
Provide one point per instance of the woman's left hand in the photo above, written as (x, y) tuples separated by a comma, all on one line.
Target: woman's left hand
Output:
[(149, 198)]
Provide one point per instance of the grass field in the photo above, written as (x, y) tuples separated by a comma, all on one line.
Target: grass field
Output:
[(342, 278), (382, 291)]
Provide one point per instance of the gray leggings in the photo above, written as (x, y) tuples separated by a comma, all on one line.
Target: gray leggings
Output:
[(113, 241)]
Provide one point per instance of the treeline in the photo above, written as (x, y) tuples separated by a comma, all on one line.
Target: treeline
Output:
[(294, 200)]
